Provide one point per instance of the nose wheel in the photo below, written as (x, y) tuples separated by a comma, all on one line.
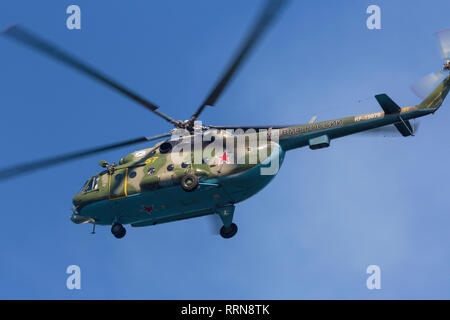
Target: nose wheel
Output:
[(118, 230)]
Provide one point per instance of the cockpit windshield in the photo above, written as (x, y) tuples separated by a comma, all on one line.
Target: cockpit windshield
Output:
[(91, 184), (84, 186)]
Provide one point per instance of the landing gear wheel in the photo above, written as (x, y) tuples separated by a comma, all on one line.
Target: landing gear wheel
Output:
[(118, 230), (189, 182), (228, 232)]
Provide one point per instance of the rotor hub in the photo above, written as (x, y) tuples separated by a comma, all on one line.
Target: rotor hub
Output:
[(446, 65), (190, 125)]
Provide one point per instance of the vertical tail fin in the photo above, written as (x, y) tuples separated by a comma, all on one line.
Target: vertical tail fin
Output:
[(436, 98)]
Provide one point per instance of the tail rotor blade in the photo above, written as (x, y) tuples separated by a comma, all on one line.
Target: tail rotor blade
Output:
[(416, 126), (444, 43), (423, 87)]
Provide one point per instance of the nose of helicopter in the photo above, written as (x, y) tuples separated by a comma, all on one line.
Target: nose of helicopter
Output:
[(78, 219)]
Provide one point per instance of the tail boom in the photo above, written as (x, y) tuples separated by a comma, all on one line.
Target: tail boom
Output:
[(318, 135)]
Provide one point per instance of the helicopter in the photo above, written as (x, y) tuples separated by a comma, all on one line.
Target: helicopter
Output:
[(196, 169)]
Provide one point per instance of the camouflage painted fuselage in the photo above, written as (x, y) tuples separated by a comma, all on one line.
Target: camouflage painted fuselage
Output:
[(145, 188)]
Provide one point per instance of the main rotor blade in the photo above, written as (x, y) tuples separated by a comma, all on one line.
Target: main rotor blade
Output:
[(214, 224), (28, 167), (33, 41), (251, 127), (267, 15)]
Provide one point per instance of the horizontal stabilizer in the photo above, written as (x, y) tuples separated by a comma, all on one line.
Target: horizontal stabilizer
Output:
[(405, 128), (389, 108), (388, 105)]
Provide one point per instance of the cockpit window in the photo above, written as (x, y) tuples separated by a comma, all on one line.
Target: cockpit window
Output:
[(92, 184), (84, 186), (95, 183)]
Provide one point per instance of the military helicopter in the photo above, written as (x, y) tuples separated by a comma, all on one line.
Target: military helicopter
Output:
[(163, 184)]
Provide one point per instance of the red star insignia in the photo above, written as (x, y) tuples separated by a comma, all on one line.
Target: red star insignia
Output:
[(147, 209), (224, 157)]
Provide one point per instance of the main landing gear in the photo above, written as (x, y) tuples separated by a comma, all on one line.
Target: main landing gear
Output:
[(228, 232), (229, 229), (118, 230)]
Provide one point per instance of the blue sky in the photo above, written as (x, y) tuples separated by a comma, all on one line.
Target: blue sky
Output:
[(311, 233)]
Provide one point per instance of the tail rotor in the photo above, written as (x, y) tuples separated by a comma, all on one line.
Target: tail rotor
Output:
[(423, 87)]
